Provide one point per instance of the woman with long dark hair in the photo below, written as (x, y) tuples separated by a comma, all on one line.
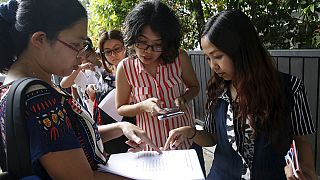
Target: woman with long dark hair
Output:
[(254, 111)]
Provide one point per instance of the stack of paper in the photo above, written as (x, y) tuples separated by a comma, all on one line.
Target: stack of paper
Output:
[(176, 164)]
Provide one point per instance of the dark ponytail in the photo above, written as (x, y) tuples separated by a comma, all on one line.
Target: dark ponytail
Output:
[(22, 19), (7, 21)]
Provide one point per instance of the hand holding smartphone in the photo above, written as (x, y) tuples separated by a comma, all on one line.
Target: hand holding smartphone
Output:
[(169, 112), (292, 158)]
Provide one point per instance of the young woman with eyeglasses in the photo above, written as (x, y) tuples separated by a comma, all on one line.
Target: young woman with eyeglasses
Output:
[(112, 51), (157, 74), (38, 39)]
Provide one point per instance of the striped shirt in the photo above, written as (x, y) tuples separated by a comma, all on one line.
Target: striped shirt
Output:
[(301, 124), (301, 120), (167, 85)]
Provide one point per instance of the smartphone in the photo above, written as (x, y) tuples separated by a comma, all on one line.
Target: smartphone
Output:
[(292, 158), (170, 112), (295, 155)]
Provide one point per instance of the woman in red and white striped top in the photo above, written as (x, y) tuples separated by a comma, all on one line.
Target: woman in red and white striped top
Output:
[(157, 74)]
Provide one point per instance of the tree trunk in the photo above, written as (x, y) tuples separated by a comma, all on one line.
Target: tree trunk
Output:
[(196, 7)]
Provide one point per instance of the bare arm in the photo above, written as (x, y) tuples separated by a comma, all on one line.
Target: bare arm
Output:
[(68, 81), (200, 137), (123, 92), (190, 80), (110, 131), (189, 77), (72, 164), (137, 137)]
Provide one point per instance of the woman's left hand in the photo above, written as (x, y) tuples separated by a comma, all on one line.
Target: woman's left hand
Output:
[(177, 136), (306, 166), (91, 91), (137, 138), (180, 102), (289, 173)]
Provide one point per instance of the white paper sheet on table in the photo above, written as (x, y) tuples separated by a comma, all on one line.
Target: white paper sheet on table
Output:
[(108, 105), (176, 164)]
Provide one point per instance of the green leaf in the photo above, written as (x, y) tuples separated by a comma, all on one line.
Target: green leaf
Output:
[(312, 8)]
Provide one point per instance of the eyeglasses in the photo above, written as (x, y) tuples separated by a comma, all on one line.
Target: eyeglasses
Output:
[(145, 46), (114, 51), (80, 52)]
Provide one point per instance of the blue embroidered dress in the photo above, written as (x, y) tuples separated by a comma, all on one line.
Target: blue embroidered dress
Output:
[(55, 123)]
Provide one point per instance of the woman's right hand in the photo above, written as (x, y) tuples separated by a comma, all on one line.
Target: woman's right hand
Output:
[(177, 136), (85, 66), (289, 173), (137, 137), (91, 91), (152, 105)]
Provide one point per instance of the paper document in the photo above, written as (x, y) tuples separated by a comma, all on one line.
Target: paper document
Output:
[(108, 105), (81, 80), (176, 164)]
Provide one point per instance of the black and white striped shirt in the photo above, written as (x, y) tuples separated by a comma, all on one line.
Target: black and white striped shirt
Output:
[(301, 120)]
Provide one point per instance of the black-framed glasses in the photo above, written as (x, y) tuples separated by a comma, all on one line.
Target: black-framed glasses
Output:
[(114, 51), (80, 52), (145, 46)]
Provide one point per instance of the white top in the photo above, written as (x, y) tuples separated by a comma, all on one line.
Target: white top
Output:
[(83, 79)]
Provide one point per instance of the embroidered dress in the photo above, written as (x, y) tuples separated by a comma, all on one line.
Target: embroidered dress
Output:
[(166, 86), (240, 140), (56, 123)]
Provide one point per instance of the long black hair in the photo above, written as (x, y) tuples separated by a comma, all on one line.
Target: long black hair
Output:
[(161, 19), (20, 19), (260, 91)]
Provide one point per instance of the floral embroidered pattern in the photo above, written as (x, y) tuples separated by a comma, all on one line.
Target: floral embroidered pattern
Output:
[(54, 122)]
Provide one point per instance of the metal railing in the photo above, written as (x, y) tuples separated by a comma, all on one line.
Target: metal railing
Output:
[(305, 64)]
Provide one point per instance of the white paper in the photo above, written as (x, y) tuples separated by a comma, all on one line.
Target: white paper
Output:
[(81, 80), (108, 105), (176, 164), (91, 77)]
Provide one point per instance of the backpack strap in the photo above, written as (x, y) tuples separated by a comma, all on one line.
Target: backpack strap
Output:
[(17, 138)]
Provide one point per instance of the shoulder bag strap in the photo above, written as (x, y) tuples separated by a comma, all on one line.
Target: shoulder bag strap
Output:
[(17, 138)]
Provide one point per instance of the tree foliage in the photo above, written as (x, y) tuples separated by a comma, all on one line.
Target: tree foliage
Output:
[(106, 14), (281, 24)]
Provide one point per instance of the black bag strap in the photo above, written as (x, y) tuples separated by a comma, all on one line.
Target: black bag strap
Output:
[(3, 156), (17, 138)]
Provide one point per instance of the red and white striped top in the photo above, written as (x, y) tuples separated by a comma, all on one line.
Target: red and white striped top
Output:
[(166, 86)]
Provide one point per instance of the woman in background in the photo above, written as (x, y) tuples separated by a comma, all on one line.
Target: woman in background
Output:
[(112, 51)]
